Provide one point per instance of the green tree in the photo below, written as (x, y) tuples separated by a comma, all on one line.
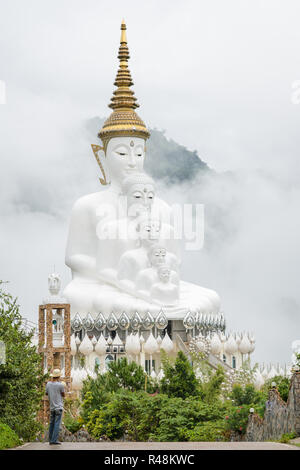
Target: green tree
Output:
[(210, 389), (122, 374), (21, 377), (179, 380), (246, 395), (282, 384)]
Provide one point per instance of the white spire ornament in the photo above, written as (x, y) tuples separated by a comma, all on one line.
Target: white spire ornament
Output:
[(230, 346), (151, 346), (101, 345), (73, 345), (215, 344), (245, 345), (167, 344), (86, 346)]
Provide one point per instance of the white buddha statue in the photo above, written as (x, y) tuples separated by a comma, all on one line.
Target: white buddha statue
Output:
[(157, 256), (100, 267), (164, 290)]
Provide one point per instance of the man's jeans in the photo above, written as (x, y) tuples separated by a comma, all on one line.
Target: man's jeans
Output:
[(55, 420)]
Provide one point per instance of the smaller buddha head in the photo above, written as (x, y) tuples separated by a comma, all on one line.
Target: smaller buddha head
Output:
[(140, 191), (157, 255), (164, 273), (148, 230)]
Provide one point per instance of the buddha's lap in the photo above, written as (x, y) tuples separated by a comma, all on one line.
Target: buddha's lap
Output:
[(95, 296)]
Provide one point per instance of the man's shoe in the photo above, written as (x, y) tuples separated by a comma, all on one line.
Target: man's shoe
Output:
[(55, 443)]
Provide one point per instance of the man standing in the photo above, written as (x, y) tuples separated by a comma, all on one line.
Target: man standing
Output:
[(55, 391)]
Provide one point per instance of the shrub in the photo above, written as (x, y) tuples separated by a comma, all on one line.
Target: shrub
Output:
[(179, 380), (72, 424), (210, 389), (142, 416), (208, 431), (282, 384), (245, 395), (120, 376), (177, 416), (8, 438), (21, 377), (285, 438), (237, 419)]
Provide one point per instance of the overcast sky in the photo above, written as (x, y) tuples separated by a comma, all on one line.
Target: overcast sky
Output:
[(218, 77)]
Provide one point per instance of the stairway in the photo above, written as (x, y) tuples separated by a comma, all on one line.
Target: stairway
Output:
[(212, 360)]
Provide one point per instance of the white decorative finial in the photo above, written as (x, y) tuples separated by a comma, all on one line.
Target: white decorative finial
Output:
[(54, 286)]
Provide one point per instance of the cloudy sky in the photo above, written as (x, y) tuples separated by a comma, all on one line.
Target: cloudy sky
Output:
[(220, 78)]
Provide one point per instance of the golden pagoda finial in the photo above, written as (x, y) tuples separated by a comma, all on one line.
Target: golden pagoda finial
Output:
[(123, 120), (123, 32)]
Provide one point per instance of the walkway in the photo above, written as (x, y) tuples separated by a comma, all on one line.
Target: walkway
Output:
[(111, 446)]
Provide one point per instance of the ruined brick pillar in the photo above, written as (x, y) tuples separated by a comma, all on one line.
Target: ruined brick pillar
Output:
[(52, 353)]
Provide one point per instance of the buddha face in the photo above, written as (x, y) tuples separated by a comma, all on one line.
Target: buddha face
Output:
[(157, 256), (124, 156), (164, 273), (148, 231), (140, 196)]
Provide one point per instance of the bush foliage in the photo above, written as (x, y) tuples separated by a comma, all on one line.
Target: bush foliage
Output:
[(21, 377), (8, 438), (121, 403)]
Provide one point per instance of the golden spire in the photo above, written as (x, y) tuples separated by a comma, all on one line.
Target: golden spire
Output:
[(123, 121)]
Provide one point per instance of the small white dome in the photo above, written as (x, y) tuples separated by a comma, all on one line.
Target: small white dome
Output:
[(245, 345), (238, 339), (142, 339), (153, 375), (230, 345), (73, 345), (222, 338), (76, 379), (273, 372), (215, 344), (167, 344), (265, 373), (109, 340), (101, 345), (117, 341), (91, 374), (258, 380), (128, 344), (151, 346), (83, 374), (135, 344), (161, 374), (77, 340), (86, 346)]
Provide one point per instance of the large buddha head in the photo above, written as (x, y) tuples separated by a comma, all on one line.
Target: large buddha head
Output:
[(123, 133)]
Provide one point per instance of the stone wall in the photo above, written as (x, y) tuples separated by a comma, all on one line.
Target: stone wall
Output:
[(280, 417)]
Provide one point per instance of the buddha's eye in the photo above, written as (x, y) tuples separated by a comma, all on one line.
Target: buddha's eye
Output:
[(122, 154), (139, 154)]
